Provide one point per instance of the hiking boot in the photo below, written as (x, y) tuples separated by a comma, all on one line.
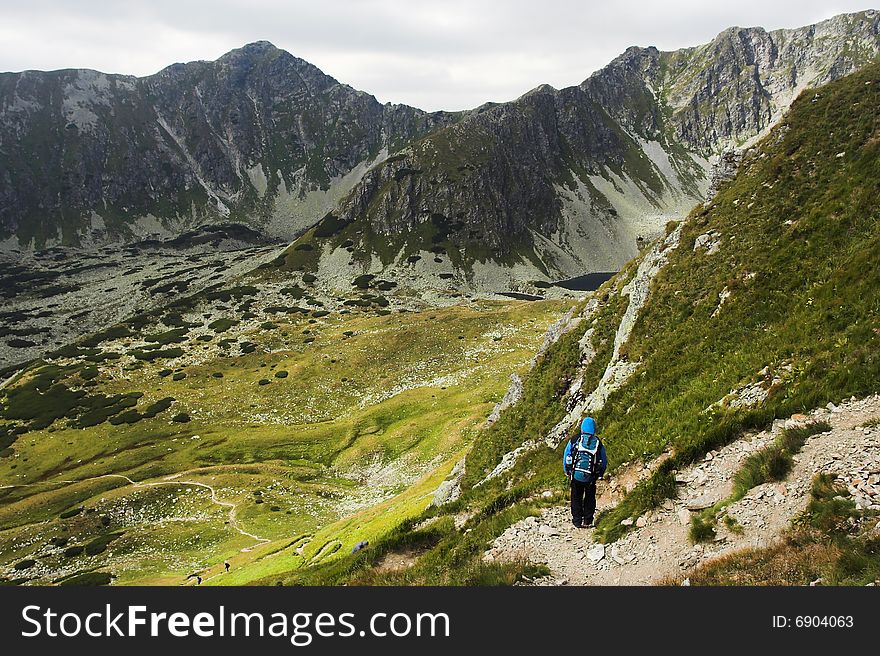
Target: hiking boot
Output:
[(588, 523), (576, 523)]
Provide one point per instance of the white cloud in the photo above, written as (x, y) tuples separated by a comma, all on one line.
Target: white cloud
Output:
[(454, 54)]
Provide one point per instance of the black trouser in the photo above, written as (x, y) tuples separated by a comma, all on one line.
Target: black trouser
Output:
[(583, 501)]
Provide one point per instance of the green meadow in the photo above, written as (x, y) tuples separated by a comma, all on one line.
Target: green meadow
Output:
[(327, 432)]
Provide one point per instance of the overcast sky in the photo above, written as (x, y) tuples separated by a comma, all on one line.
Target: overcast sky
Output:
[(442, 54)]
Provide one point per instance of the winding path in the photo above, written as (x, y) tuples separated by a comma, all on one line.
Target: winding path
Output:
[(233, 521)]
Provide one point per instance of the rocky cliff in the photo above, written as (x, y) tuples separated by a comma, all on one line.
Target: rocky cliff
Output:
[(257, 137), (553, 184), (560, 182)]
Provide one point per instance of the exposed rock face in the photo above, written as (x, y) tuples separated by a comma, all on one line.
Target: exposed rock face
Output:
[(724, 169), (257, 136), (726, 92), (565, 179), (570, 180), (556, 183)]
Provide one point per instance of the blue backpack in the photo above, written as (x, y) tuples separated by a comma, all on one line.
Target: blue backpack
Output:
[(585, 458)]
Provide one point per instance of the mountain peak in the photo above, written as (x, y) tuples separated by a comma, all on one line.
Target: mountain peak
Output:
[(256, 49)]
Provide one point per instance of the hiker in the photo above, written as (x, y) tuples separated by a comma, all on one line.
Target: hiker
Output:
[(226, 565), (584, 463), (360, 545)]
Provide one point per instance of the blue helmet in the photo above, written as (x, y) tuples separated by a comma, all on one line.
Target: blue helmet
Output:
[(588, 425)]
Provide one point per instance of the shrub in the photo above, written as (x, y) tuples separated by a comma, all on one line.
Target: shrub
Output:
[(159, 406), (173, 336), (154, 354), (222, 325), (774, 462), (100, 543), (363, 282), (181, 418), (701, 530), (88, 579)]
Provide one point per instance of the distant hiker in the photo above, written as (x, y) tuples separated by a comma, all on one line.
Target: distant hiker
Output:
[(360, 545), (198, 580), (584, 463), (226, 565)]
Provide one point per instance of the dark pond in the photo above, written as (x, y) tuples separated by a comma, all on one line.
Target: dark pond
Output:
[(521, 297), (589, 282)]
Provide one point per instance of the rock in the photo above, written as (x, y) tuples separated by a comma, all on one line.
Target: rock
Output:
[(641, 522), (627, 522), (511, 397), (596, 553), (700, 477), (450, 489), (686, 583), (546, 494), (701, 503), (684, 517), (548, 531)]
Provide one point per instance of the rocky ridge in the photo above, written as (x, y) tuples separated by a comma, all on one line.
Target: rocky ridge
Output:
[(257, 136), (551, 185), (561, 182)]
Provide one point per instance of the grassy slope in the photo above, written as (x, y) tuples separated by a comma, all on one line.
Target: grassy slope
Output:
[(799, 255), (370, 418)]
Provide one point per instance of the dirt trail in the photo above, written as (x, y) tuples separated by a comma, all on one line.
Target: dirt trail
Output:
[(658, 546), (171, 480), (233, 522)]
